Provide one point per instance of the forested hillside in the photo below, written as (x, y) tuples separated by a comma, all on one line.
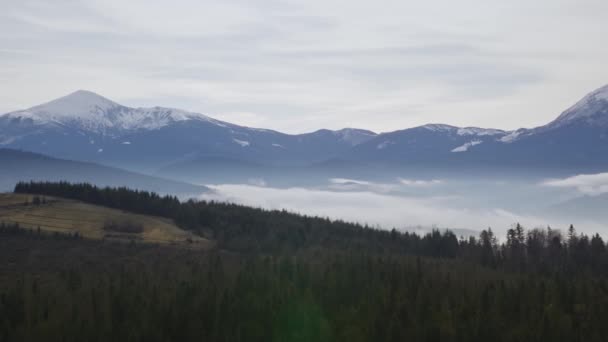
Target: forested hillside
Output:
[(277, 276), (252, 230)]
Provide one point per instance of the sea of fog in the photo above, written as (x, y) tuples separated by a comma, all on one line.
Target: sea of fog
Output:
[(467, 206)]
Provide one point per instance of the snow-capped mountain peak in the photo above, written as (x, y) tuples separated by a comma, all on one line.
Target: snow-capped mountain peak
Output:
[(592, 108), (600, 94), (75, 104), (86, 111), (79, 105), (354, 136)]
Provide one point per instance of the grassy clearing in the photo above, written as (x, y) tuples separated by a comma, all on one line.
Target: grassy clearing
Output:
[(68, 216)]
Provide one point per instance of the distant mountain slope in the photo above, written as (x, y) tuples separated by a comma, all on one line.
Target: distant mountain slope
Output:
[(25, 166), (86, 126), (577, 140), (425, 144)]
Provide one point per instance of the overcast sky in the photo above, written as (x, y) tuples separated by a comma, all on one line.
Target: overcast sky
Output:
[(298, 66)]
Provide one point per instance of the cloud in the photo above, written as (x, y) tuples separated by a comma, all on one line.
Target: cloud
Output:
[(367, 207), (420, 183), (300, 66), (257, 182), (593, 184), (348, 181), (345, 184)]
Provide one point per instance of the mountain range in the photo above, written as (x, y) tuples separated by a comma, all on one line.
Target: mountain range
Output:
[(27, 166), (85, 126)]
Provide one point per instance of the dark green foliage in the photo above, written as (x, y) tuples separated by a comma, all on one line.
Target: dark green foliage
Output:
[(56, 289), (251, 230), (278, 276)]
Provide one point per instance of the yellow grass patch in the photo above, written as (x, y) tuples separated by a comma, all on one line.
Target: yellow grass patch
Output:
[(69, 216)]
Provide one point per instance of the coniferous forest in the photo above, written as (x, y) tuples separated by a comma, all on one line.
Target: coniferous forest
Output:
[(278, 276)]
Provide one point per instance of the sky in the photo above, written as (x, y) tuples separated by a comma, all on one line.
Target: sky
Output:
[(298, 66)]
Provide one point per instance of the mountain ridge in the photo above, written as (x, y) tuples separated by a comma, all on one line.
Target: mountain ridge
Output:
[(81, 101), (92, 112), (89, 127), (27, 166)]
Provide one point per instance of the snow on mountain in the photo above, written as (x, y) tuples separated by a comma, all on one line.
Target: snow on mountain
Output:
[(439, 127), (463, 131), (92, 113), (600, 94), (242, 143), (75, 105), (354, 136), (466, 146), (89, 112), (512, 136), (384, 145), (593, 108), (479, 131), (86, 126)]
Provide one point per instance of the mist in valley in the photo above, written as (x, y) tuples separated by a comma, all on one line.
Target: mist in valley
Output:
[(465, 205)]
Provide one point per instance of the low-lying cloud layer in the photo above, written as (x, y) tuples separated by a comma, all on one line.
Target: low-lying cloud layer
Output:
[(364, 205), (345, 184), (592, 185), (418, 182)]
